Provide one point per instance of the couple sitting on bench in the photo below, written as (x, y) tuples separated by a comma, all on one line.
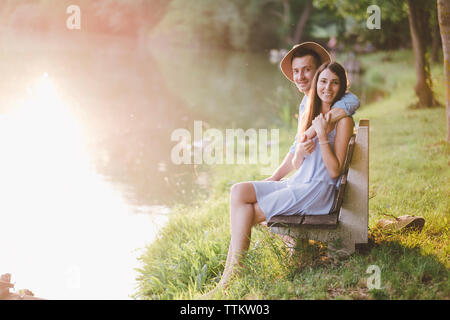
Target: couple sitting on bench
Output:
[(318, 153)]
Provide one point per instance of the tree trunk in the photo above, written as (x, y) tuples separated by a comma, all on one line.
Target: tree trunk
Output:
[(287, 20), (423, 81), (302, 21), (436, 44), (444, 25)]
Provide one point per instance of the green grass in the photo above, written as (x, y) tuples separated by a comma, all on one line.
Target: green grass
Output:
[(409, 174)]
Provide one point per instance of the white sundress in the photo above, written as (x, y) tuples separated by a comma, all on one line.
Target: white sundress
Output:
[(310, 190)]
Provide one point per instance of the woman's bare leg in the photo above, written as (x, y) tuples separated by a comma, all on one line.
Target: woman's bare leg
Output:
[(244, 213)]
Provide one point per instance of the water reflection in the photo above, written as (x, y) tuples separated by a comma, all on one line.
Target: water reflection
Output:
[(228, 90)]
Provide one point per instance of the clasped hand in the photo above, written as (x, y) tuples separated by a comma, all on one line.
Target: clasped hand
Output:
[(321, 124), (306, 146)]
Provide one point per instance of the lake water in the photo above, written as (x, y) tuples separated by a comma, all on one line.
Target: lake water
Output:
[(86, 177)]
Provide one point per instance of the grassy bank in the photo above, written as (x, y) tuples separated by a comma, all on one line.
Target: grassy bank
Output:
[(409, 174)]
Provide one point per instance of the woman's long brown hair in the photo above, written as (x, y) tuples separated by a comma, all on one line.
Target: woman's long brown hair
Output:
[(314, 104)]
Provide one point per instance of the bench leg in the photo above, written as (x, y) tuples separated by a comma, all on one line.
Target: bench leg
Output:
[(290, 243), (294, 244), (340, 248)]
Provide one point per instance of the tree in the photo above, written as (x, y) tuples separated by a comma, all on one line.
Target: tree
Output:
[(303, 19), (436, 42), (444, 25), (419, 29)]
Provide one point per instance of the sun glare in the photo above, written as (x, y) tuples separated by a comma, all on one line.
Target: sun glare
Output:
[(66, 232)]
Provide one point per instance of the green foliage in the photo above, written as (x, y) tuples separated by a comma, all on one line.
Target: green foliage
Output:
[(394, 32), (240, 25), (263, 24), (218, 23)]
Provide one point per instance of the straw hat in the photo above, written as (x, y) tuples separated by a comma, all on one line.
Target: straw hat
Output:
[(286, 63)]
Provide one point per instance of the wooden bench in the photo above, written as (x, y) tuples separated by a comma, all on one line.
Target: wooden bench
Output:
[(347, 223)]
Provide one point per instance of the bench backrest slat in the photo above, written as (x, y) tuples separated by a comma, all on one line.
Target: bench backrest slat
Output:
[(343, 178)]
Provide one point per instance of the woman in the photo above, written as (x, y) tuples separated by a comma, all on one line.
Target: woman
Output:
[(311, 189)]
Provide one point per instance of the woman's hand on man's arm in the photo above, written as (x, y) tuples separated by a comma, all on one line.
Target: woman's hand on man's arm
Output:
[(334, 115)]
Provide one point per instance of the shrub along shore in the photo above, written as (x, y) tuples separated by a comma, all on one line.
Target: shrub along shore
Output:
[(409, 174)]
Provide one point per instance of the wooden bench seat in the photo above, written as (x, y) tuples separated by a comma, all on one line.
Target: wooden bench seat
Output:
[(347, 223)]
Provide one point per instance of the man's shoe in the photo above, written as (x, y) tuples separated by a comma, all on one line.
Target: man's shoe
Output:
[(404, 223)]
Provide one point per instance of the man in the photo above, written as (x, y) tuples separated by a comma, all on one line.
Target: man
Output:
[(299, 66)]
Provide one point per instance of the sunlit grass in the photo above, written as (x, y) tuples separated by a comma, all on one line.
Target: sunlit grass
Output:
[(409, 174)]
